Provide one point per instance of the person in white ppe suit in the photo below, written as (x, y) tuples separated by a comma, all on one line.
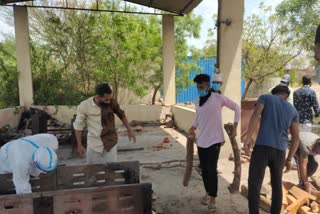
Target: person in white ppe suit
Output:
[(31, 155)]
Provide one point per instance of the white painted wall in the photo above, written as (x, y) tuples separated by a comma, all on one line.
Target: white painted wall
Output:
[(10, 116), (134, 112), (183, 117)]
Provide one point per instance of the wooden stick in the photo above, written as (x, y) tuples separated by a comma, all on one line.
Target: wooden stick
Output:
[(234, 187), (189, 160)]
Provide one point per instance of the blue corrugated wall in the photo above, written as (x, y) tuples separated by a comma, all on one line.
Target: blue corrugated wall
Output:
[(190, 94)]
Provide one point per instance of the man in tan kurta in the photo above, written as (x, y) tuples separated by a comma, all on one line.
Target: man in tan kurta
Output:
[(97, 114)]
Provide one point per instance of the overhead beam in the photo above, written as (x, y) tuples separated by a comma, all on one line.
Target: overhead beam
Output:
[(3, 2), (91, 9)]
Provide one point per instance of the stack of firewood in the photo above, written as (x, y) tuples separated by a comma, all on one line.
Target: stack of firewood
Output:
[(295, 200)]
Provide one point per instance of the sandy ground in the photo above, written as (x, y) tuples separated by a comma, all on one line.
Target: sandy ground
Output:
[(171, 196)]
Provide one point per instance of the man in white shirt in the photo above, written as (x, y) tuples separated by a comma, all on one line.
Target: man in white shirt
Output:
[(97, 114)]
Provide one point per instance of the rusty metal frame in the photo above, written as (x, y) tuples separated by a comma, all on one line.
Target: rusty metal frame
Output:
[(96, 8)]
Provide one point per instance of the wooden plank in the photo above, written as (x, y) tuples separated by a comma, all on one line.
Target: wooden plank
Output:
[(45, 182), (16, 204), (43, 205), (71, 177), (299, 193), (291, 199), (316, 181), (304, 210), (284, 196), (294, 207), (265, 203), (135, 198), (287, 185)]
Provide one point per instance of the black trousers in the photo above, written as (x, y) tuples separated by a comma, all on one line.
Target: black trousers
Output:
[(262, 157), (209, 161)]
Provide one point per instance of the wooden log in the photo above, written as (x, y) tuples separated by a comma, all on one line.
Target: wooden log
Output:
[(234, 187), (129, 149), (294, 207), (244, 191), (189, 162)]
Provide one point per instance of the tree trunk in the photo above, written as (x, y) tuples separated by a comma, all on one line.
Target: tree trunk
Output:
[(156, 89), (247, 89), (234, 187)]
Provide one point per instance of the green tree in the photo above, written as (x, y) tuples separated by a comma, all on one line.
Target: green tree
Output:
[(9, 93), (69, 39), (299, 20), (73, 50), (264, 51), (120, 51), (210, 48)]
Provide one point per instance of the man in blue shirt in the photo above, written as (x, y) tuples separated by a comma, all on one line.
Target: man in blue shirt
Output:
[(277, 116)]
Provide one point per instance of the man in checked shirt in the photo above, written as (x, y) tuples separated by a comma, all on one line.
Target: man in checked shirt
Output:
[(97, 114)]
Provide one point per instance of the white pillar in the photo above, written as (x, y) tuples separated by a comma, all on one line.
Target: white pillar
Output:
[(231, 47), (169, 72), (230, 57), (21, 25)]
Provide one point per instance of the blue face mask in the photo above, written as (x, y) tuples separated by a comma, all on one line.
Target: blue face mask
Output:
[(216, 86), (202, 93)]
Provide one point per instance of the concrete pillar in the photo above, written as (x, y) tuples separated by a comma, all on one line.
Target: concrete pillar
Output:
[(231, 47), (169, 72), (231, 56), (21, 25)]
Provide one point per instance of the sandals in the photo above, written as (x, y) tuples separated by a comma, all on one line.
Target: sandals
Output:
[(204, 200), (212, 208)]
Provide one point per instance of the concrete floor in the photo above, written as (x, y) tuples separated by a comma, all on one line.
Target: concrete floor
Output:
[(171, 196)]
